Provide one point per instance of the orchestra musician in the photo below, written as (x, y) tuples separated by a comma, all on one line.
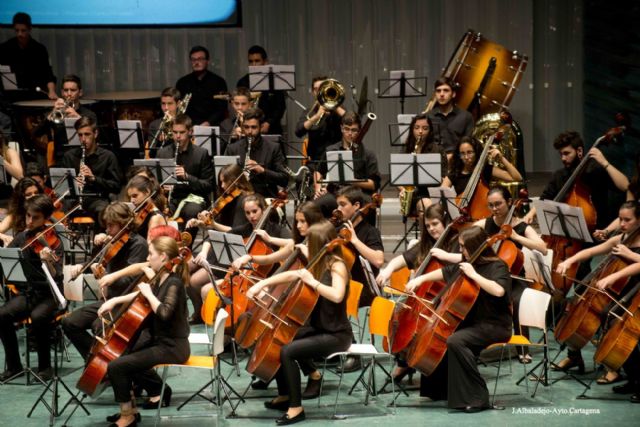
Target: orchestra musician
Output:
[(457, 378), (140, 188), (328, 330), (35, 299), (163, 340), (232, 125), (169, 99), (16, 219), (115, 217), (265, 162), (159, 199), (271, 102)]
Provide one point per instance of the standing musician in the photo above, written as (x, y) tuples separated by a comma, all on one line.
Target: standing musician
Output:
[(450, 122), (194, 171), (97, 167), (420, 141), (34, 299), (365, 165), (271, 102), (328, 330), (16, 219), (164, 340), (169, 99), (203, 85), (262, 159), (457, 377), (139, 190), (464, 163), (115, 217), (628, 216), (322, 127), (232, 125)]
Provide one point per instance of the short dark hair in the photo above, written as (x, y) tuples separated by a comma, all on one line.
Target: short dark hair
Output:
[(183, 119), (353, 195), (567, 138), (34, 169), (351, 118), (116, 213), (72, 78), (199, 48), (445, 81), (506, 195), (257, 49), (241, 91), (85, 121), (172, 92), (21, 18), (632, 205), (254, 113), (39, 203), (317, 79)]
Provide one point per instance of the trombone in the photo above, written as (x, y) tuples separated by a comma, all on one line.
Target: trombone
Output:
[(330, 96)]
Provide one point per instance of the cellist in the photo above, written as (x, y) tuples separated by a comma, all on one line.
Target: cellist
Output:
[(328, 330), (457, 377), (165, 340), (628, 216)]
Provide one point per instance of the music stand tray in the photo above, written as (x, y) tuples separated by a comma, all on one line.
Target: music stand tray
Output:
[(130, 134), (272, 77), (64, 180), (226, 247), (72, 134), (163, 169), (340, 168), (415, 169), (399, 132), (562, 220), (447, 197), (221, 161)]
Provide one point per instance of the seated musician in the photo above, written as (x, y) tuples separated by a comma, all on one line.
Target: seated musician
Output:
[(322, 127), (115, 217), (420, 141), (432, 226), (365, 165), (628, 217), (231, 127), (12, 160), (160, 129), (464, 163), (34, 299), (266, 162), (159, 199), (98, 168), (140, 190), (450, 122), (328, 330), (457, 377), (163, 340), (194, 172), (271, 102), (16, 219)]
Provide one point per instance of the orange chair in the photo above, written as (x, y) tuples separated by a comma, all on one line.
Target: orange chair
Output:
[(355, 290), (400, 278)]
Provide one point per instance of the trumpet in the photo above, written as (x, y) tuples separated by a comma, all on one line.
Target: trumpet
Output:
[(330, 96), (57, 115)]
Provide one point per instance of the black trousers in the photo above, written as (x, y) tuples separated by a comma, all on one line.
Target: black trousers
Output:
[(75, 327), (41, 312), (632, 368), (137, 366), (308, 343)]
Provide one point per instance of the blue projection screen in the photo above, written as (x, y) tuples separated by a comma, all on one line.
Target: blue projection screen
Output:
[(124, 12)]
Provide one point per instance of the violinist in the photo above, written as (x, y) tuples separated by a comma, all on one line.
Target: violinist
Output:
[(159, 198), (16, 219), (457, 377), (328, 330), (164, 340), (232, 125), (432, 225), (139, 189), (628, 215), (464, 163), (34, 299), (115, 217)]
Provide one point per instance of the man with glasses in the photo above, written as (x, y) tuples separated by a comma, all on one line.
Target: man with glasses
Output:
[(202, 84)]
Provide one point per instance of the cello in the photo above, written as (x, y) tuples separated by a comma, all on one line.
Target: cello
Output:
[(452, 305), (289, 314), (121, 333), (507, 249)]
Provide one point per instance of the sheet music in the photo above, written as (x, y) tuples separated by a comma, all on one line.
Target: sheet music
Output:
[(62, 302)]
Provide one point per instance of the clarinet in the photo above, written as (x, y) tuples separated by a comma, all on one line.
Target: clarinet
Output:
[(82, 163), (247, 172), (175, 160)]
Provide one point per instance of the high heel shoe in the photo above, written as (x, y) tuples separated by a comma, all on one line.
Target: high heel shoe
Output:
[(397, 379), (166, 400), (568, 363)]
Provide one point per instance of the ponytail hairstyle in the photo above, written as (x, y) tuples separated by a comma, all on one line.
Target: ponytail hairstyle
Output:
[(320, 234), (169, 246)]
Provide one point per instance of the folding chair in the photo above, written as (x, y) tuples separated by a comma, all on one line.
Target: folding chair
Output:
[(355, 290)]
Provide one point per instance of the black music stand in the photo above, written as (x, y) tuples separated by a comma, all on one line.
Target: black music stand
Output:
[(399, 132), (340, 168), (446, 196), (70, 131), (208, 137), (130, 134), (163, 169), (221, 161), (269, 78), (7, 78), (402, 84)]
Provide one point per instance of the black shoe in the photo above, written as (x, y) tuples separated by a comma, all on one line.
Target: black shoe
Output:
[(115, 417), (133, 423), (285, 420), (45, 374), (278, 406), (635, 398), (312, 390), (196, 320), (626, 388), (259, 385), (352, 364), (10, 374), (166, 400), (474, 409)]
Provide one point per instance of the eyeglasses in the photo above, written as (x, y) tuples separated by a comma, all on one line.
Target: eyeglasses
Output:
[(494, 205), (467, 154)]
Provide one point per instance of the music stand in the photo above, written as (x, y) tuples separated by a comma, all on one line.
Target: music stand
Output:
[(340, 168), (562, 220), (221, 161), (226, 247), (446, 196), (265, 78), (402, 84), (399, 132), (130, 134), (204, 136), (65, 180), (70, 130), (369, 276), (163, 169), (415, 169), (7, 78), (3, 172)]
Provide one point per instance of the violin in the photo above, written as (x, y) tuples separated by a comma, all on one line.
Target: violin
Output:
[(221, 202), (45, 239), (451, 305), (112, 247), (507, 249)]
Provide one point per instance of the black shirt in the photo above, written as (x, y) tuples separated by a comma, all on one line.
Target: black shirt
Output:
[(325, 133), (31, 64), (492, 228), (170, 319), (272, 103), (199, 167), (330, 316), (450, 128), (104, 165), (232, 215), (202, 107), (487, 308), (267, 154), (365, 164), (132, 252), (60, 133), (143, 229), (412, 256), (370, 236), (460, 180)]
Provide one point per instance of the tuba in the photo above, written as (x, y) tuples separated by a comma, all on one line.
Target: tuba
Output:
[(330, 96)]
